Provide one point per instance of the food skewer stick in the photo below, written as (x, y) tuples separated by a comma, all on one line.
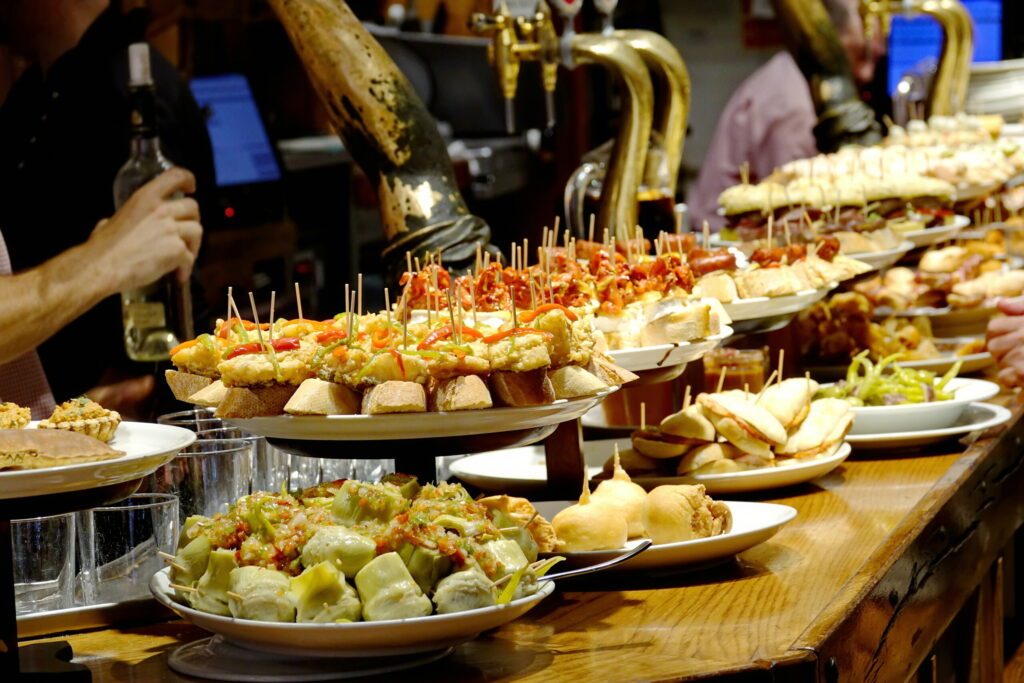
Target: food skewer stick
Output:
[(515, 317), (686, 397), (487, 259), (408, 262), (359, 289), (771, 225), (590, 232), (565, 236), (387, 310), (298, 300), (347, 325), (234, 596), (526, 253), (768, 383), (256, 318), (405, 317), (643, 416), (533, 295), (721, 381), (451, 316), (416, 260), (228, 316), (745, 172), (604, 241), (707, 235), (679, 222), (186, 589), (785, 228), (782, 357), (273, 300)]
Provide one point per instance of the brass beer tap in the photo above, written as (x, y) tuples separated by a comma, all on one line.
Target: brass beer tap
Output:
[(536, 40), (948, 92)]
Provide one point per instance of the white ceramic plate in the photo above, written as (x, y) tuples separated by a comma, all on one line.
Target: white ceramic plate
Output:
[(356, 639), (879, 260), (521, 469), (418, 425), (929, 236), (917, 417), (979, 416), (146, 447), (752, 524), (667, 355), (515, 470), (767, 307), (789, 472), (969, 363)]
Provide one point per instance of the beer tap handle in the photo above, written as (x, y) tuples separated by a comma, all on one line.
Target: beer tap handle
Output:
[(502, 54), (606, 8), (548, 49), (567, 10)]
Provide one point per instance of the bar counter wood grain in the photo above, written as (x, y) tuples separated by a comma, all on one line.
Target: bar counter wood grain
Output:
[(884, 553)]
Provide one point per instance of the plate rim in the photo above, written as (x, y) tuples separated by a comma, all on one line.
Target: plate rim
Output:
[(992, 390), (998, 415)]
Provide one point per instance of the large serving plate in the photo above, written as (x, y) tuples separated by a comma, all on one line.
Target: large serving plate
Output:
[(667, 355), (969, 362), (770, 307), (520, 470), (977, 417), (752, 524), (942, 233), (355, 639), (146, 447), (418, 425), (788, 472), (946, 322), (913, 417), (880, 260)]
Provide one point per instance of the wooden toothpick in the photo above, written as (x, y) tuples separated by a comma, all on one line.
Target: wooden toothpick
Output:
[(298, 301)]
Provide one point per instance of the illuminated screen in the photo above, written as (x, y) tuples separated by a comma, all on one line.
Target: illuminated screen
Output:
[(241, 148), (920, 38)]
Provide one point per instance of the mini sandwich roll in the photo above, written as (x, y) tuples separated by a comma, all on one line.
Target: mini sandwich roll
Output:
[(658, 446), (703, 457), (689, 423), (827, 423), (622, 495), (789, 401)]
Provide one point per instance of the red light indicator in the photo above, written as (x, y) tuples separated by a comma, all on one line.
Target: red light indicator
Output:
[(229, 212)]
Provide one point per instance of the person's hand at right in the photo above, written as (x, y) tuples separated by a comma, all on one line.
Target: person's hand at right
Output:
[(151, 235), (1005, 341)]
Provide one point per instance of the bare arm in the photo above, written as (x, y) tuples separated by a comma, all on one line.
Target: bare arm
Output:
[(149, 236)]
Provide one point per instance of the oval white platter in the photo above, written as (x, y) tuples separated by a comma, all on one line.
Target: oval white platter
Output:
[(752, 524), (520, 469), (929, 236), (979, 416), (923, 416), (879, 260), (667, 355), (418, 425), (788, 472), (767, 307), (146, 446), (354, 639)]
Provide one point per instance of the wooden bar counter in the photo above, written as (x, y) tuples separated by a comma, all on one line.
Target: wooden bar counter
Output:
[(890, 558)]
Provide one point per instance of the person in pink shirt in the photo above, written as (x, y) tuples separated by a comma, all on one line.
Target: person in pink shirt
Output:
[(770, 119), (153, 234)]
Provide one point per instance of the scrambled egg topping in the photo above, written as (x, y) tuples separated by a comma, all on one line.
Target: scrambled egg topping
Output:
[(13, 416)]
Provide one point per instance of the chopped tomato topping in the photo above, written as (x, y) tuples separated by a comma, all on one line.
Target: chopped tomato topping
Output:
[(445, 332)]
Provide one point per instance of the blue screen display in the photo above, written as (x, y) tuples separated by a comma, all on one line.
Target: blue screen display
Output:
[(241, 148), (920, 38)]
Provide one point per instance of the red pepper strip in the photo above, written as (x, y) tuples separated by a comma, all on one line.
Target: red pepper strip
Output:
[(398, 359), (380, 338), (437, 335), (544, 308), (283, 344), (331, 336), (471, 333), (516, 332), (184, 345)]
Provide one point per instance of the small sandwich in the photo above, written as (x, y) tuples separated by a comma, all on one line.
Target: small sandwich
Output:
[(689, 425), (634, 463), (658, 445), (789, 401), (712, 458), (827, 423), (745, 425)]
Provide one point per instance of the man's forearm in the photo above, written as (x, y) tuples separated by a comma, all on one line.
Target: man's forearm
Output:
[(37, 303)]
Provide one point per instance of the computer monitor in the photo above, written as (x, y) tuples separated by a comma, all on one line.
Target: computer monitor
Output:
[(242, 153), (917, 39)]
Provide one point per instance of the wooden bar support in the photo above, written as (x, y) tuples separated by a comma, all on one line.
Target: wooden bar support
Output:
[(563, 452)]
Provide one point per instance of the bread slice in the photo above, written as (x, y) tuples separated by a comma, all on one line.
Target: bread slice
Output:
[(608, 372), (24, 449), (395, 397), (468, 392), (532, 388), (185, 384), (209, 396), (572, 381), (243, 403), (317, 397)]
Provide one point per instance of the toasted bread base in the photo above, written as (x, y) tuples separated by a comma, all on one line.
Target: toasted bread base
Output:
[(183, 384), (531, 388), (240, 403), (317, 397)]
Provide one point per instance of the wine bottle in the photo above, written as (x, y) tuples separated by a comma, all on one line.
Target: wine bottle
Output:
[(159, 315)]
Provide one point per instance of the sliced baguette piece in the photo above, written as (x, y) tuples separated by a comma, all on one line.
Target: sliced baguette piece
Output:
[(245, 402), (572, 381), (185, 384), (395, 397), (532, 388), (607, 371), (468, 392), (317, 397), (209, 396)]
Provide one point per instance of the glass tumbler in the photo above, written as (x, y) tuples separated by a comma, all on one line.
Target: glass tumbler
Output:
[(43, 557)]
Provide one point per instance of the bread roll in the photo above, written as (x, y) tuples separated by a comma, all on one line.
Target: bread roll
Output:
[(395, 397), (468, 392), (589, 525), (621, 494), (317, 397), (572, 381), (683, 513)]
